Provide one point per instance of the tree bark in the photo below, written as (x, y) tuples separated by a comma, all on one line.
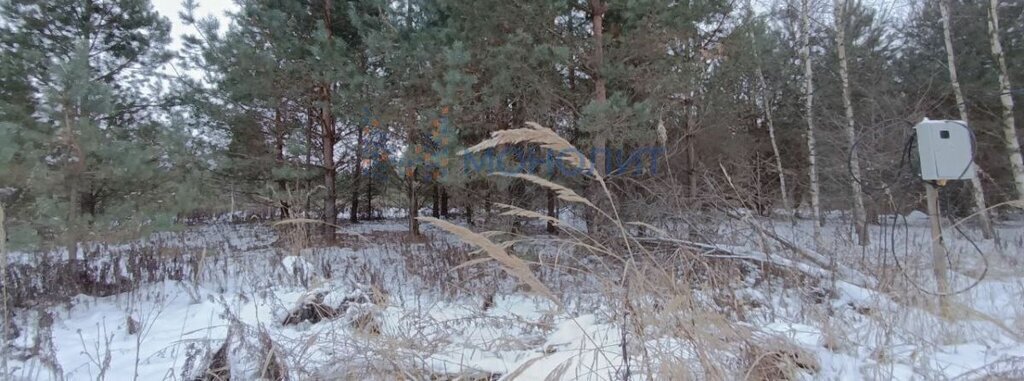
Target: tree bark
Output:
[(1005, 96), (74, 173), (369, 198), (309, 162), (435, 208), (859, 215), (5, 329), (282, 184), (487, 206), (812, 156), (600, 142), (357, 176), (961, 104), (770, 121), (329, 139), (414, 207), (552, 211), (410, 178), (444, 203), (691, 151), (331, 192)]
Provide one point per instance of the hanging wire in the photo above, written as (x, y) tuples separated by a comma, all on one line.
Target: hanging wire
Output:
[(906, 161)]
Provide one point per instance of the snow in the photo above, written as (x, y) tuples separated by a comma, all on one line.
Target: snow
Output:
[(430, 318)]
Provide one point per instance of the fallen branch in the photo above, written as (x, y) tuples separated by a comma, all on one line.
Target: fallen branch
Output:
[(738, 252), (847, 274)]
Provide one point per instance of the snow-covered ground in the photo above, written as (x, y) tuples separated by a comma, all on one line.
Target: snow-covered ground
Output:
[(402, 309)]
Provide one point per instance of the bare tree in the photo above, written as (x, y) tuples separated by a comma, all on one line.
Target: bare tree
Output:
[(961, 104), (812, 156), (769, 120), (1009, 129), (3, 278), (859, 216)]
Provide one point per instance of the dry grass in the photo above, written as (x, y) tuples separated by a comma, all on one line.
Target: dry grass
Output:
[(541, 136), (515, 266), (684, 307), (776, 360), (649, 288)]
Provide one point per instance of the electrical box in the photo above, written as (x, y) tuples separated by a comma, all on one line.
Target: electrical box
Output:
[(946, 150)]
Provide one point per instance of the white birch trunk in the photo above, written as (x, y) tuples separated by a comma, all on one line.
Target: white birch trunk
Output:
[(961, 104), (3, 278), (766, 103), (1009, 126), (812, 156), (859, 215), (786, 202)]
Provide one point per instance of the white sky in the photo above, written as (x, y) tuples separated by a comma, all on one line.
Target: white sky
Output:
[(170, 9)]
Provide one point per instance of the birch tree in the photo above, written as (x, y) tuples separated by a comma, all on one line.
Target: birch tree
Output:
[(961, 104), (812, 157), (769, 120), (1006, 98), (859, 215)]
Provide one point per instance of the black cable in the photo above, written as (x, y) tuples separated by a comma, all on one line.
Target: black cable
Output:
[(907, 158)]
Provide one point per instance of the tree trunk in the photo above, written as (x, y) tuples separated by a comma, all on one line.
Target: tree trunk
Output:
[(3, 243), (444, 203), (812, 155), (598, 9), (410, 178), (73, 177), (357, 171), (487, 206), (74, 216), (552, 212), (6, 317), (331, 192), (770, 121), (859, 215), (309, 162), (1005, 96), (282, 184), (414, 207), (435, 208), (599, 141), (691, 151), (327, 119), (961, 104), (369, 198)]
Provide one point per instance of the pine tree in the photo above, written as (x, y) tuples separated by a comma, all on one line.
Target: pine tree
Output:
[(287, 72), (89, 151)]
